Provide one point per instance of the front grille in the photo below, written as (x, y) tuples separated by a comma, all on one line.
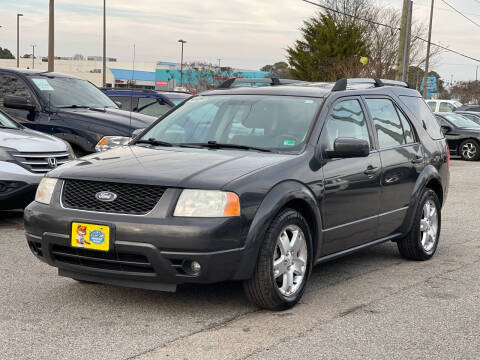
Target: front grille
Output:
[(131, 198), (102, 260), (42, 163)]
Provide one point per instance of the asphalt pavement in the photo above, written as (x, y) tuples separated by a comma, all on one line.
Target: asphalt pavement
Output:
[(370, 305)]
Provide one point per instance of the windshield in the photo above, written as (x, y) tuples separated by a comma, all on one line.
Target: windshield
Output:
[(259, 121), (472, 117), (461, 121), (6, 122), (70, 92), (457, 104)]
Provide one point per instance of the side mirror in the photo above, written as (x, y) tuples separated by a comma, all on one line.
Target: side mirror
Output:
[(137, 132), (18, 102), (119, 104), (446, 129), (349, 148)]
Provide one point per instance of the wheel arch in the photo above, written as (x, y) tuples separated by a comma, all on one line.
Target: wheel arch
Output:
[(288, 194)]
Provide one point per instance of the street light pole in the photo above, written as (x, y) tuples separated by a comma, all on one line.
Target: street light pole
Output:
[(18, 39), (33, 56), (181, 63), (51, 37), (104, 70), (219, 62), (427, 61)]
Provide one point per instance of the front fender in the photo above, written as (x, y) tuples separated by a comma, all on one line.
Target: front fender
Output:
[(276, 199), (428, 174)]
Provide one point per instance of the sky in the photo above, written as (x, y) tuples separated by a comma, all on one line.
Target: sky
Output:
[(243, 33)]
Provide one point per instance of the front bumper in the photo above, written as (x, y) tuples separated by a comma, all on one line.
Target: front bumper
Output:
[(149, 252), (17, 186)]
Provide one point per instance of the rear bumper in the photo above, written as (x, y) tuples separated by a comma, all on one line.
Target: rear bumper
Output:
[(147, 252)]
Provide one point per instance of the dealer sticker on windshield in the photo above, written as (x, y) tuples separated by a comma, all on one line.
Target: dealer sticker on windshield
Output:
[(289, 142), (43, 84)]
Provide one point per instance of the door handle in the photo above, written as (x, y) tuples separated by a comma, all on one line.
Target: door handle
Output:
[(371, 170), (417, 160)]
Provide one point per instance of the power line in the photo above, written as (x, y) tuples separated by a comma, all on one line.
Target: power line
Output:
[(391, 27), (462, 14)]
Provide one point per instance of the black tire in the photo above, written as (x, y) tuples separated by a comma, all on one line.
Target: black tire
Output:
[(262, 288), (410, 246), (473, 154)]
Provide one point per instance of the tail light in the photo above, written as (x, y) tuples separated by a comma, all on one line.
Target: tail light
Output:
[(447, 149)]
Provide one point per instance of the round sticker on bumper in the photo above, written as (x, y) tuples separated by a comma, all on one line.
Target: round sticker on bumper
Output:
[(97, 237)]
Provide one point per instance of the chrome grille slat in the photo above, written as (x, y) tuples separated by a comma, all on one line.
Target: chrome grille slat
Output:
[(38, 162)]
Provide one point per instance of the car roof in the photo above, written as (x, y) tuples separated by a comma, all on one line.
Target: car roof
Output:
[(136, 93), (32, 72)]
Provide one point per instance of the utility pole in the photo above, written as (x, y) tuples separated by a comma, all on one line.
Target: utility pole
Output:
[(219, 63), (476, 74), (427, 61), (18, 39), (33, 56), (403, 40), (181, 63), (51, 37), (406, 49), (104, 70)]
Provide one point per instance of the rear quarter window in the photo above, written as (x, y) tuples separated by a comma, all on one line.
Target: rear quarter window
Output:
[(423, 116)]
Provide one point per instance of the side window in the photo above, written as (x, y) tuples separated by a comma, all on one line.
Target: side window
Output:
[(152, 106), (446, 107), (407, 128), (432, 105), (12, 85), (125, 100), (387, 123), (441, 121), (346, 120), (422, 116)]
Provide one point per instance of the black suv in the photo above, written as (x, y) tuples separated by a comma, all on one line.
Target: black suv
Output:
[(257, 184), (72, 109)]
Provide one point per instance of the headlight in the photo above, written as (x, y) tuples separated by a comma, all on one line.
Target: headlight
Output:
[(110, 142), (207, 203), (45, 190), (5, 154)]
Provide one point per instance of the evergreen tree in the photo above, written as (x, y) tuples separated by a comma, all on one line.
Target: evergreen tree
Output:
[(6, 54), (328, 49)]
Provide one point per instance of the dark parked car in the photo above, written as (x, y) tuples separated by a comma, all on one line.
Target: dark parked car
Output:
[(463, 135), (146, 102), (252, 184), (475, 108), (70, 108), (472, 115)]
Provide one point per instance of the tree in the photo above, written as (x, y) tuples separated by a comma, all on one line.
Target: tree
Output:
[(326, 48), (468, 91), (199, 76), (6, 54), (279, 69)]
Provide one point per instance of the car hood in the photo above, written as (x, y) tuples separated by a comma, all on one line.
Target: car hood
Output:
[(172, 167), (26, 140), (115, 121)]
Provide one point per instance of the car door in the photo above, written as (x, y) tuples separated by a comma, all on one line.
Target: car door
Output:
[(352, 186), (402, 161)]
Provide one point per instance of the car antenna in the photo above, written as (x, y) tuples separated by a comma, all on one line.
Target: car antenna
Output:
[(131, 91)]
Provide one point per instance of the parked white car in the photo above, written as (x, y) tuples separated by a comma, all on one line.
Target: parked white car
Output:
[(25, 157), (443, 105)]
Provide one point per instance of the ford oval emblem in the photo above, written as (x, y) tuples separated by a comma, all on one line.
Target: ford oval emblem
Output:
[(106, 196)]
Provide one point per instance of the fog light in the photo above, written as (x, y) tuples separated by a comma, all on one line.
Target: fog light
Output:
[(192, 268)]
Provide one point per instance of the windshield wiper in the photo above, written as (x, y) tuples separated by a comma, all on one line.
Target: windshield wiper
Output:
[(72, 106), (153, 142), (215, 145)]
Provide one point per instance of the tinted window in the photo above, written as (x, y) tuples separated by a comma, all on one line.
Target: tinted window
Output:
[(461, 121), (387, 123), (472, 117), (432, 105), (126, 101), (423, 115), (446, 107), (12, 85), (407, 128), (346, 120), (152, 106)]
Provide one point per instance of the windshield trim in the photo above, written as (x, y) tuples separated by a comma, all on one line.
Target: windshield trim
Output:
[(301, 149)]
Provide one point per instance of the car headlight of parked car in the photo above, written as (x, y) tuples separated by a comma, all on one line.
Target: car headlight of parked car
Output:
[(207, 203), (45, 190), (110, 142)]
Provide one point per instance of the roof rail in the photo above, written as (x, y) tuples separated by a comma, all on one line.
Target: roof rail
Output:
[(273, 81), (342, 84)]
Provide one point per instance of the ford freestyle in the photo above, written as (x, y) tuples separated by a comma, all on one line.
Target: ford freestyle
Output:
[(69, 108), (257, 184)]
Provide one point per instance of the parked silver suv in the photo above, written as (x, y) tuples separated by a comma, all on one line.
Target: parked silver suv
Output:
[(25, 157)]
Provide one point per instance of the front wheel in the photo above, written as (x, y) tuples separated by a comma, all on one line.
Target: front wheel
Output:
[(469, 150), (422, 240), (284, 263)]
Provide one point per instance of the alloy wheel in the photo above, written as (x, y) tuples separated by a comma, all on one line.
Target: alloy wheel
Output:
[(290, 260), (469, 150), (429, 226)]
